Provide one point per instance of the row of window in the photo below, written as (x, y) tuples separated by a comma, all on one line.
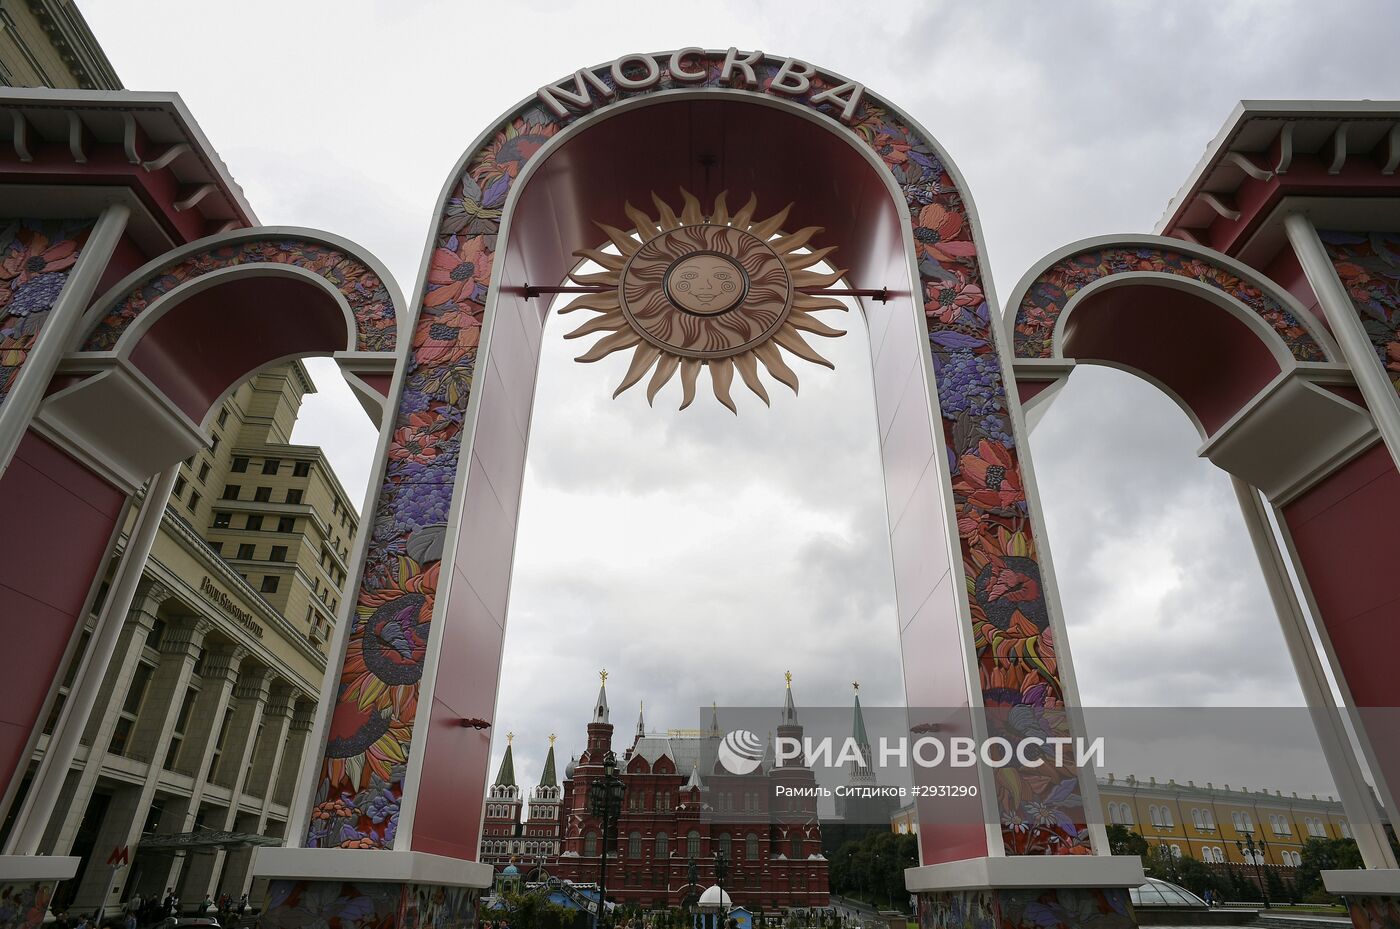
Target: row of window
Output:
[(254, 522), (1204, 820), (271, 466), (246, 551), (262, 494)]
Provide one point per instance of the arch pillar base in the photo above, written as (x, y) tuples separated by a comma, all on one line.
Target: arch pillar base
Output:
[(1372, 896), (1067, 892), (29, 884), (382, 889)]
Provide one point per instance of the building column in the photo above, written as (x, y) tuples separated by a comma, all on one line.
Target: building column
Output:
[(299, 732), (98, 731), (250, 693), (267, 756), (221, 663), (179, 648)]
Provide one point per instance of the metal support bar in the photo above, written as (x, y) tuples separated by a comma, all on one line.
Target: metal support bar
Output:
[(879, 295)]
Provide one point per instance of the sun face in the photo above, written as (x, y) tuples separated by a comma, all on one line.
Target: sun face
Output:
[(723, 292)]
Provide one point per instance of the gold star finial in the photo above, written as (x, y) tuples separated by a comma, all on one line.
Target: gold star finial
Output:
[(603, 674), (551, 739), (510, 737), (787, 676), (856, 685)]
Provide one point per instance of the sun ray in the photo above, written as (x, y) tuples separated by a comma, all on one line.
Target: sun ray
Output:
[(799, 319), (598, 256), (768, 354), (647, 227), (690, 370), (602, 277), (721, 216), (748, 370), (665, 368), (791, 243), (690, 213), (744, 217), (815, 278), (687, 293), (788, 338), (817, 302), (772, 224), (807, 259), (602, 302), (625, 243), (642, 360), (609, 344), (721, 376), (608, 322), (669, 220)]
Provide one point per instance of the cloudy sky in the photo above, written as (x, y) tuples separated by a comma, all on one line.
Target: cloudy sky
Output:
[(698, 555)]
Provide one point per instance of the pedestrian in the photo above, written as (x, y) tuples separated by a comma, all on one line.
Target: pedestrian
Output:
[(206, 905), (130, 920), (242, 905)]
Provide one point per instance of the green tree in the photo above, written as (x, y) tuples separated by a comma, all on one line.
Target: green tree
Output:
[(1324, 855), (1198, 877), (1124, 841)]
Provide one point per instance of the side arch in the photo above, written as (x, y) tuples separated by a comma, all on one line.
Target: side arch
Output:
[(162, 348), (1050, 288), (1247, 363)]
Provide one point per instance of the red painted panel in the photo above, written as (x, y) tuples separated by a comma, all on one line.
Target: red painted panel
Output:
[(1209, 358), (1285, 271), (62, 518), (126, 257), (1343, 530), (233, 328), (1028, 390), (378, 382)]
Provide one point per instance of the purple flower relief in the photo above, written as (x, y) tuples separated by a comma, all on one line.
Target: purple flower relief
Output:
[(970, 384), (406, 507), (38, 293)]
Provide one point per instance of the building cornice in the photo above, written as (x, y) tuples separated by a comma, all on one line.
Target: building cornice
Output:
[(175, 527)]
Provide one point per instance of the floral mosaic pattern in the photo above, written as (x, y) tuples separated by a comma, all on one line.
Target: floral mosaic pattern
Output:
[(36, 257), (23, 905), (367, 905), (1368, 264), (1048, 296), (1374, 912), (1027, 909), (360, 783), (368, 297)]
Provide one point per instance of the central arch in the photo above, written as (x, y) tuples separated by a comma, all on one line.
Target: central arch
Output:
[(404, 762)]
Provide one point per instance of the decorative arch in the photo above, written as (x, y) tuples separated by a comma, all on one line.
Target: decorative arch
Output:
[(380, 710), (359, 280), (1048, 291), (163, 348)]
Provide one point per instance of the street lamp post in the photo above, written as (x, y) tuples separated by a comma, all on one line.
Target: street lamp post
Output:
[(605, 802), (1254, 853), (721, 872)]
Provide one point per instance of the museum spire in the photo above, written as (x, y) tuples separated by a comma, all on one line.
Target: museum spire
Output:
[(506, 776)]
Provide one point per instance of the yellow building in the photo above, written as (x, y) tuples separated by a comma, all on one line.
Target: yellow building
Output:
[(191, 753), (1206, 822)]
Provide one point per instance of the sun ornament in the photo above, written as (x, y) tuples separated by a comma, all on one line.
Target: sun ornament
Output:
[(689, 291)]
